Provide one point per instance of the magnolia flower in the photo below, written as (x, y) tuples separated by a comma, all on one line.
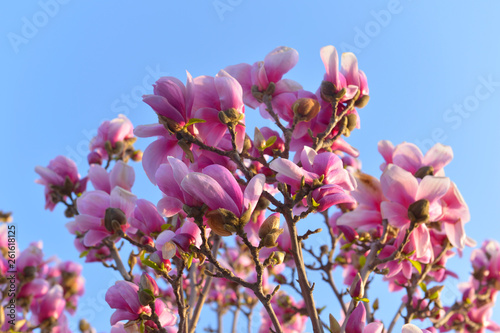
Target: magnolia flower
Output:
[(123, 297), (277, 63), (60, 179), (114, 131), (324, 171), (121, 175)]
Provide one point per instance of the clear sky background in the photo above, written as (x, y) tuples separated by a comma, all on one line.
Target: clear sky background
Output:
[(433, 69)]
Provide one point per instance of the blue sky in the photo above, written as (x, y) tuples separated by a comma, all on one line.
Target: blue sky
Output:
[(433, 69)]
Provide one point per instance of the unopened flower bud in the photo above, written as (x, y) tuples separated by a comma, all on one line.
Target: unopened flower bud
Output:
[(137, 156), (146, 240), (147, 282), (271, 88), (29, 273), (145, 297), (168, 250), (349, 233), (84, 326), (171, 125), (184, 241), (247, 144), (258, 139), (362, 101), (220, 221), (418, 212), (271, 223), (230, 116), (278, 257), (257, 94), (94, 158), (352, 121), (357, 287), (271, 238), (424, 171), (306, 109), (329, 92), (114, 214)]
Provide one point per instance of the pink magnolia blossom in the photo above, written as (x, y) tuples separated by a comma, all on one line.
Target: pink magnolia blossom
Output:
[(409, 157), (402, 189), (168, 241), (158, 151), (146, 218), (115, 130), (51, 305), (336, 180), (172, 100), (122, 175), (61, 171), (93, 205), (218, 94), (369, 196), (277, 63), (124, 298)]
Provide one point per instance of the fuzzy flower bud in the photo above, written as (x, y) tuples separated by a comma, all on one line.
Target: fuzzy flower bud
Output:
[(115, 215), (306, 109), (418, 212)]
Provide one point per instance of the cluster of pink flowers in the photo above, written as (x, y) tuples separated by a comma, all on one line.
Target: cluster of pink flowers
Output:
[(37, 290), (224, 230)]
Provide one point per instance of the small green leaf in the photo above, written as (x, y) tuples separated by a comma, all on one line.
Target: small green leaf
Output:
[(334, 325), (423, 286), (165, 226), (190, 261), (315, 204), (142, 328), (417, 265), (362, 261), (84, 254), (366, 300), (193, 121), (271, 141)]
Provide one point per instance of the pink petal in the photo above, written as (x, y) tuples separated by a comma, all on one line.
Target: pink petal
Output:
[(99, 178), (357, 319), (374, 328), (438, 156), (162, 107), (349, 68), (361, 218), (456, 233), (331, 61), (229, 90), (122, 199), (253, 191), (155, 155), (432, 188), (290, 170), (49, 176), (169, 206), (399, 185), (222, 176), (207, 190), (93, 203), (146, 131), (279, 61), (395, 213), (386, 148), (122, 175), (408, 156), (94, 237)]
